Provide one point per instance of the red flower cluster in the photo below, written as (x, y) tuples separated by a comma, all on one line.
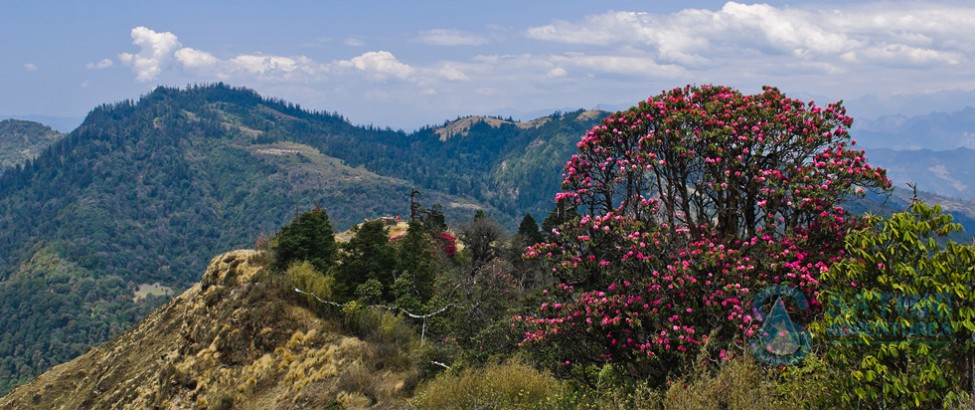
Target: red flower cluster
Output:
[(689, 203), (447, 243)]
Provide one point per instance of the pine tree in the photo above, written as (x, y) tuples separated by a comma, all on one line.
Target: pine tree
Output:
[(415, 264), (528, 230), (366, 256), (309, 237)]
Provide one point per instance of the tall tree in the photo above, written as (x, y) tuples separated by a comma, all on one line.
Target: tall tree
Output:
[(689, 203), (415, 264), (309, 237), (483, 238), (528, 230), (367, 256)]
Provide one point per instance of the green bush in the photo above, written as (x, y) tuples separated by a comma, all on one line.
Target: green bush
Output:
[(901, 311), (304, 276), (392, 337), (512, 385)]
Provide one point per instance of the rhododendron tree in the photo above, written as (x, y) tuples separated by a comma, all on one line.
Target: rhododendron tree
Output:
[(688, 204)]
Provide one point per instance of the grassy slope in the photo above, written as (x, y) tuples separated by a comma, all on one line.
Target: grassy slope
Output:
[(237, 339)]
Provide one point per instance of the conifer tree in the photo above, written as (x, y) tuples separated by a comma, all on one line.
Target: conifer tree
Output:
[(309, 237)]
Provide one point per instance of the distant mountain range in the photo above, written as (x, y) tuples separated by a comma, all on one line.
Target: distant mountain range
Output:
[(948, 173), (936, 131)]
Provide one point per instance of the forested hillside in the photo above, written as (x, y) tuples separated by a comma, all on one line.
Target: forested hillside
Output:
[(128, 208), (650, 286), (116, 216), (23, 140)]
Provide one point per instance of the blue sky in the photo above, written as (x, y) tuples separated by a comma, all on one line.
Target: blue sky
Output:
[(407, 64)]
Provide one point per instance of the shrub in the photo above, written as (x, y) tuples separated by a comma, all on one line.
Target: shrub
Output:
[(902, 310), (304, 276), (512, 385)]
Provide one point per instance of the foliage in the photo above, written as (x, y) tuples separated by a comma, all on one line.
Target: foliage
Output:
[(306, 277), (528, 230), (479, 324), (21, 141), (483, 238), (901, 311), (308, 238), (512, 385), (689, 203), (416, 266), (367, 256)]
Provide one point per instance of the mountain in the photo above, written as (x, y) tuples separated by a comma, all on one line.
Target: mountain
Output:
[(23, 140), (237, 339), (60, 124), (948, 173), (900, 199), (108, 221), (936, 131)]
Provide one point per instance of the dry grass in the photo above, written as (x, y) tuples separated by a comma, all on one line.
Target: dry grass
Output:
[(513, 385), (240, 339)]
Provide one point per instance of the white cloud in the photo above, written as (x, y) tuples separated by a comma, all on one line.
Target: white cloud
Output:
[(641, 66), (354, 42), (103, 63), (193, 58), (261, 64), (557, 72), (30, 67), (904, 55), (155, 51), (381, 64), (159, 51), (450, 37), (451, 73), (913, 32)]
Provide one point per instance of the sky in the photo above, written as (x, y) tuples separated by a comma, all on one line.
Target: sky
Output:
[(409, 64)]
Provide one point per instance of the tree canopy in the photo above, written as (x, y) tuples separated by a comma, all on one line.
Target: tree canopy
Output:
[(309, 237), (688, 203)]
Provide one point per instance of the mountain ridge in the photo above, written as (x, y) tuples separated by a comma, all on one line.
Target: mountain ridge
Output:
[(145, 192), (235, 339)]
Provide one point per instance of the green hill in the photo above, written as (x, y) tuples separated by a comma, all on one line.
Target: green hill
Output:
[(104, 224), (128, 208), (23, 140)]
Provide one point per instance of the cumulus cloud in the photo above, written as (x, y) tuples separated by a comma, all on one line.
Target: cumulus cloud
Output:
[(155, 51), (380, 64), (193, 58), (450, 37), (159, 51), (912, 32), (103, 63), (30, 67), (261, 64)]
